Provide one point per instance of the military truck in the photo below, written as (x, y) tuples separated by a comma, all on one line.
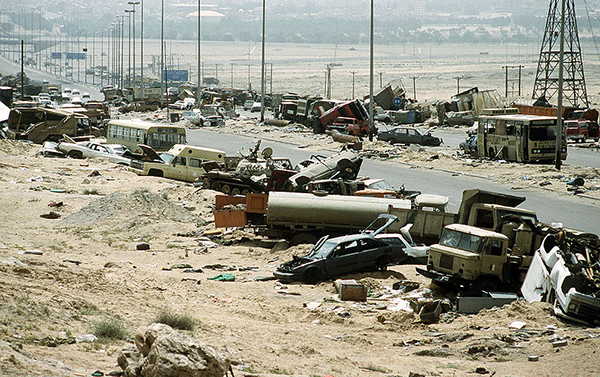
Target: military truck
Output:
[(475, 260)]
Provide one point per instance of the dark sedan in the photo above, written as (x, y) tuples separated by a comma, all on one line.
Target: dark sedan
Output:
[(409, 135), (332, 257)]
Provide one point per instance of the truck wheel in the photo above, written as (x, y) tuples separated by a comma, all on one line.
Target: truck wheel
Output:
[(226, 189), (487, 284), (301, 238), (75, 154), (216, 186), (312, 276), (235, 191)]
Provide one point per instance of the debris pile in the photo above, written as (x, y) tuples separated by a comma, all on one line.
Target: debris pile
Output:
[(139, 203)]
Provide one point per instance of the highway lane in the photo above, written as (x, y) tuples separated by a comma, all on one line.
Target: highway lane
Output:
[(576, 155), (575, 212)]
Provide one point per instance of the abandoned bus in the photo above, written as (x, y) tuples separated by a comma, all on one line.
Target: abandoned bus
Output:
[(519, 138), (161, 137)]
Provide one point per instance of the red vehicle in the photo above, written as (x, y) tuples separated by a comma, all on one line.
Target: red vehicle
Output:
[(582, 129), (350, 126)]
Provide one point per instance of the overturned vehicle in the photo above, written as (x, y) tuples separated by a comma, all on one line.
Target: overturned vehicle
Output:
[(565, 272)]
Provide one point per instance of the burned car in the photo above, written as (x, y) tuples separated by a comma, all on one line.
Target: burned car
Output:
[(409, 135), (469, 146), (336, 256)]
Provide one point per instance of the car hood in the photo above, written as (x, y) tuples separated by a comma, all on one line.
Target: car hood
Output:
[(296, 263)]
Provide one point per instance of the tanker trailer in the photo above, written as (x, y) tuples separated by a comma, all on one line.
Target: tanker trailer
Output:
[(305, 217)]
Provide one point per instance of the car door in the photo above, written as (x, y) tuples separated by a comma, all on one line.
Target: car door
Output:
[(413, 137), (343, 259), (178, 169)]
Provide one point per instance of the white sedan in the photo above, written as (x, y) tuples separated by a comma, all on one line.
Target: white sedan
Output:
[(112, 152)]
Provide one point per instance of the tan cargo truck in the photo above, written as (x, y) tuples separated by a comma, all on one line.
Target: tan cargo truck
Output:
[(472, 260)]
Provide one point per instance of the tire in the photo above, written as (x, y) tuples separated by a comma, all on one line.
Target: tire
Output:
[(313, 276), (206, 183), (216, 186), (303, 238), (246, 192), (235, 191), (75, 154), (226, 189), (487, 284), (381, 264)]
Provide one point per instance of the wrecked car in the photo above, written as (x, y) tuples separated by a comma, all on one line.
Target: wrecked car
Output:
[(565, 273), (409, 135), (336, 256), (113, 152), (469, 146), (345, 165)]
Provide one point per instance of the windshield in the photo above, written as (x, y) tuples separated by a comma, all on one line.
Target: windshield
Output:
[(322, 251), (462, 241), (545, 132), (501, 213), (166, 157), (381, 185)]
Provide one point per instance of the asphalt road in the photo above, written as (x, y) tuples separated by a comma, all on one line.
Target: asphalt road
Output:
[(576, 155), (574, 212)]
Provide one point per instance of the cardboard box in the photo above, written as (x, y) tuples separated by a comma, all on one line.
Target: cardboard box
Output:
[(350, 290)]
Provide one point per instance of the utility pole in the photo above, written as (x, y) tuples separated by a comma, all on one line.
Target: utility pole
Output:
[(508, 80), (457, 84), (353, 73), (381, 79), (414, 79)]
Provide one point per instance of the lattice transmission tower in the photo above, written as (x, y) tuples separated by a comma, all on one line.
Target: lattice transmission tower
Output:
[(546, 79)]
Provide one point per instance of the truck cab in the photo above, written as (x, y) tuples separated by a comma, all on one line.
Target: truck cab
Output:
[(181, 162), (468, 256)]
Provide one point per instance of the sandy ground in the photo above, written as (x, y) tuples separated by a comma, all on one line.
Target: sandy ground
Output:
[(89, 270)]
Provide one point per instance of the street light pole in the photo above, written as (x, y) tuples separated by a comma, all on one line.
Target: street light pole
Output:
[(371, 126), (142, 47), (162, 37), (129, 12), (263, 87), (199, 58), (133, 4)]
